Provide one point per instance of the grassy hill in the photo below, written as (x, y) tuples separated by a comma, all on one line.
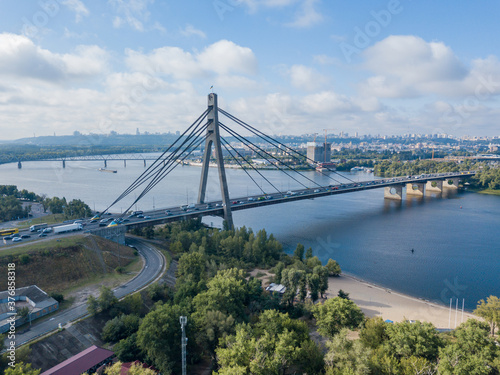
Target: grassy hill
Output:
[(62, 264)]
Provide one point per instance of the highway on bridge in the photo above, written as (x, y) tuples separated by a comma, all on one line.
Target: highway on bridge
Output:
[(215, 208), (154, 264)]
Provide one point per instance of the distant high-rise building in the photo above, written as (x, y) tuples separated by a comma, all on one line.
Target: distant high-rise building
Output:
[(319, 152), (137, 132)]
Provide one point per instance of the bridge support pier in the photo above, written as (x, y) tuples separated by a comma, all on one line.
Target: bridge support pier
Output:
[(416, 189), (451, 183), (105, 163), (144, 163), (394, 192), (125, 163), (213, 138), (64, 163), (433, 187), (115, 234), (19, 165)]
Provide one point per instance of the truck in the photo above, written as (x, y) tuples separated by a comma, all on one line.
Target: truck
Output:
[(67, 228), (37, 227)]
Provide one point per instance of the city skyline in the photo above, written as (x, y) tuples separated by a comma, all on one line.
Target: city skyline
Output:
[(391, 67)]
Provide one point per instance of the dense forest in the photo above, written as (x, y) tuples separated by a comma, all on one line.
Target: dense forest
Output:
[(242, 329)]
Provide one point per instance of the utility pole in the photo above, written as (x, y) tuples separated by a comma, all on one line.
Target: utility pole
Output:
[(183, 321)]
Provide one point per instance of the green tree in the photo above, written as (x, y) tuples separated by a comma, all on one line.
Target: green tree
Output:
[(472, 351), (192, 264), (22, 369), (346, 356), (226, 292), (333, 268), (107, 299), (418, 339), (309, 253), (92, 305), (77, 209), (373, 334), (159, 337), (211, 327), (313, 282), (120, 327), (135, 369), (336, 313), (343, 294), (299, 252), (127, 350), (489, 311)]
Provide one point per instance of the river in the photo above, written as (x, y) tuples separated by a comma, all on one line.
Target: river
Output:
[(455, 239)]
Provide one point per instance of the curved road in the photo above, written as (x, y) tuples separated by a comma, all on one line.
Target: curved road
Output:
[(154, 264)]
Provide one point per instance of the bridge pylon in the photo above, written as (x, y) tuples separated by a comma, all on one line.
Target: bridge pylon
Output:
[(213, 139)]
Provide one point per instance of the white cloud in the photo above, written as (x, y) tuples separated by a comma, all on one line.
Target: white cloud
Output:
[(78, 7), (305, 78), (408, 66), (225, 57), (191, 30), (307, 15), (131, 12), (20, 57), (325, 60)]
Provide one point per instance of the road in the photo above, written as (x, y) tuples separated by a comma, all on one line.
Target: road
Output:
[(154, 264)]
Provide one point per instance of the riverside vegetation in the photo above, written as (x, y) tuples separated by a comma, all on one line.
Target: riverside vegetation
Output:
[(236, 327), (241, 329)]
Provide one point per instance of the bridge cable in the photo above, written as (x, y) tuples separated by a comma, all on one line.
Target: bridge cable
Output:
[(265, 136), (250, 164), (170, 168), (248, 142), (269, 139), (241, 165), (157, 163)]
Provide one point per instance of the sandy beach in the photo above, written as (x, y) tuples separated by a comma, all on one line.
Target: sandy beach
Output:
[(378, 301)]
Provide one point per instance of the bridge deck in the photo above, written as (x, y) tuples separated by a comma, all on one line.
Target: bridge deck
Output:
[(242, 203)]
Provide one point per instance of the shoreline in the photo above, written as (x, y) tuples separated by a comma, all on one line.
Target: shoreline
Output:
[(375, 300)]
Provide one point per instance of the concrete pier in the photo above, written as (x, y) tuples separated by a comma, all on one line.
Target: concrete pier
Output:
[(415, 188), (394, 192), (451, 183), (434, 187)]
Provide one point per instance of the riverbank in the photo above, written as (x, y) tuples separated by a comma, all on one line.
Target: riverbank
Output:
[(375, 300)]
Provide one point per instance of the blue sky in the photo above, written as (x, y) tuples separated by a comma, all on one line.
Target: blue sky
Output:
[(285, 66)]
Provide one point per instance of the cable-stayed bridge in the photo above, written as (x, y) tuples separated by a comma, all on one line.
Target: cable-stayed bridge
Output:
[(208, 129)]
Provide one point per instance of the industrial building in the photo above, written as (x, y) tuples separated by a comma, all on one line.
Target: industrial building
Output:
[(320, 152)]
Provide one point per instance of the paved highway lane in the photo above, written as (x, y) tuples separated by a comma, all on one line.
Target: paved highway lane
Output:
[(154, 265)]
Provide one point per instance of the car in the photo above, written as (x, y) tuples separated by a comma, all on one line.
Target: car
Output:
[(103, 224), (217, 205), (208, 206), (25, 236), (16, 235), (17, 239), (316, 190), (125, 220), (42, 234), (167, 212), (103, 221), (140, 216), (93, 221), (251, 199), (131, 216), (234, 202), (108, 213), (147, 217), (8, 237)]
